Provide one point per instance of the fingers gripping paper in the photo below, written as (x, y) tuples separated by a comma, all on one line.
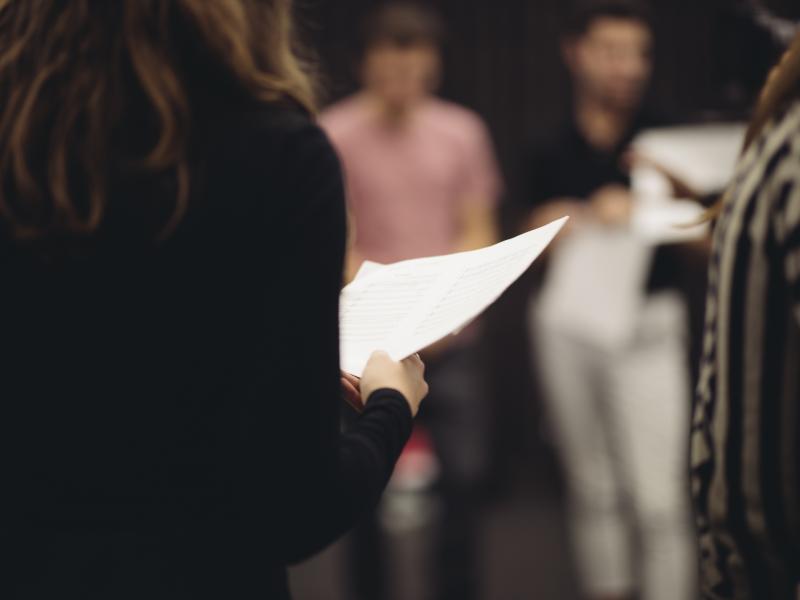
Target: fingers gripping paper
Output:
[(407, 306)]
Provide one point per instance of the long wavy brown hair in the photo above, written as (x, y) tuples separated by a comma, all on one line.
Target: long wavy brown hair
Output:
[(72, 72)]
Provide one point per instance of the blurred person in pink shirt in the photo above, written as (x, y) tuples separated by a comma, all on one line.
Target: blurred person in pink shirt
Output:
[(421, 173), (422, 180)]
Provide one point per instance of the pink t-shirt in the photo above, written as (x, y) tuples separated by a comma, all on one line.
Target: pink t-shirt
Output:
[(407, 186)]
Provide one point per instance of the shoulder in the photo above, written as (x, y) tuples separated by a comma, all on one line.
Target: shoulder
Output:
[(768, 174), (784, 131), (776, 146), (278, 127), (266, 155), (455, 120), (263, 138), (453, 114), (344, 118), (780, 161)]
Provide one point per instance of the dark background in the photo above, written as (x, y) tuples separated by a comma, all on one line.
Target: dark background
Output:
[(502, 59)]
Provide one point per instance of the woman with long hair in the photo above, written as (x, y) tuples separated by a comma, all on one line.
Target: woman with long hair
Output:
[(746, 426), (172, 234)]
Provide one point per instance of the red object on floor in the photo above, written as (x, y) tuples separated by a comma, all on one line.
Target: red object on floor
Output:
[(418, 467)]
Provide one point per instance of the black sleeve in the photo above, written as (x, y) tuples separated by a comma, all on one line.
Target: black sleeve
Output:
[(326, 479)]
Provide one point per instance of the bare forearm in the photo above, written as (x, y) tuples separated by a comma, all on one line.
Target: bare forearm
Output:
[(478, 230)]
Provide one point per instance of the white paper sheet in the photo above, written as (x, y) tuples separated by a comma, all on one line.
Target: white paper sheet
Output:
[(366, 268), (668, 221), (407, 306), (704, 156), (595, 285)]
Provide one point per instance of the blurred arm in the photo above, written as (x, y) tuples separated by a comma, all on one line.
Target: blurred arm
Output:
[(353, 258), (478, 226)]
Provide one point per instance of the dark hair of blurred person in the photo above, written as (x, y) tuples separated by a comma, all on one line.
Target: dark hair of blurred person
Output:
[(401, 56), (171, 250), (745, 438), (607, 46), (404, 25), (585, 13)]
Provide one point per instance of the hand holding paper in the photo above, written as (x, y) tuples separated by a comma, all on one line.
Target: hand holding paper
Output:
[(405, 307)]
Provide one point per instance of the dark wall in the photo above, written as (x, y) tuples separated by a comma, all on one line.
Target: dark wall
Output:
[(502, 59)]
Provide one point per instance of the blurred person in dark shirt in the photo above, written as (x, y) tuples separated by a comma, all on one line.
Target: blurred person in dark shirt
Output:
[(617, 395), (579, 169)]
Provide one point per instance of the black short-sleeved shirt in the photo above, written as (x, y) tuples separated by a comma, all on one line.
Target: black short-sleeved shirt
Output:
[(564, 164)]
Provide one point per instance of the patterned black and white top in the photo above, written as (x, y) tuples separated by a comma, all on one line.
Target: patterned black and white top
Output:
[(746, 422)]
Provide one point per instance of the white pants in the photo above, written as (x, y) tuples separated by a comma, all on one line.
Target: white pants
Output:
[(621, 419)]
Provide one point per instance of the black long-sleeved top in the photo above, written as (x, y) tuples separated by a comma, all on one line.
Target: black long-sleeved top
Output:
[(169, 417)]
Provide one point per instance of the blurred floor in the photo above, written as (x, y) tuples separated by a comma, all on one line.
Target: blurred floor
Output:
[(524, 552)]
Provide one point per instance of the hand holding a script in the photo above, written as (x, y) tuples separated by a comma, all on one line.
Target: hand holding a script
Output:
[(406, 376), (406, 307)]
